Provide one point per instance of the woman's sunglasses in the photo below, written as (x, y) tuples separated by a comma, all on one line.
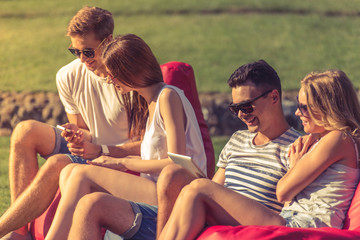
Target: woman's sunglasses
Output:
[(302, 108), (88, 52), (245, 107)]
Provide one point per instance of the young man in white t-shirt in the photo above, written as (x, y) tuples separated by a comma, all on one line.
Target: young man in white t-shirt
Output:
[(93, 107)]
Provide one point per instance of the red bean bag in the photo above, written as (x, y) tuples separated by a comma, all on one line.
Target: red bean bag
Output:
[(351, 229), (180, 75)]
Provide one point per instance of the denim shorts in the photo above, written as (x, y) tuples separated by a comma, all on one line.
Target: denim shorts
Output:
[(144, 225), (61, 148), (301, 220)]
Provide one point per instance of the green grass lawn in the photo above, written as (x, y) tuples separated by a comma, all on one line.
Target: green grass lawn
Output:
[(215, 37), (4, 181)]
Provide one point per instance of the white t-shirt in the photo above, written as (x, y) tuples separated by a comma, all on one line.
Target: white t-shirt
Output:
[(100, 105), (154, 144)]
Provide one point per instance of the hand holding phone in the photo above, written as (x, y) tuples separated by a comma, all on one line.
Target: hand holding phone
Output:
[(63, 129)]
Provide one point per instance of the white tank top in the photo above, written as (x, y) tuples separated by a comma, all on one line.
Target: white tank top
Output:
[(154, 145), (328, 197)]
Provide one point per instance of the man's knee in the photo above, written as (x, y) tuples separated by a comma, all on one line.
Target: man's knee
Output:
[(33, 136), (24, 131), (194, 188), (199, 184), (55, 164)]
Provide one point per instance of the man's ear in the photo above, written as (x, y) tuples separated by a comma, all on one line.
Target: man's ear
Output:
[(275, 96)]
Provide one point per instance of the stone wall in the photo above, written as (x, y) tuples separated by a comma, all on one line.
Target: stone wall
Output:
[(222, 122), (41, 106), (46, 107)]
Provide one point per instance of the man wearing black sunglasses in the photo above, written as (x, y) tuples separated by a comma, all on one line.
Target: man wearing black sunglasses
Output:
[(254, 159), (99, 124)]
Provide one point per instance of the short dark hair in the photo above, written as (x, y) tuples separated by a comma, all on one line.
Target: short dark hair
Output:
[(260, 73)]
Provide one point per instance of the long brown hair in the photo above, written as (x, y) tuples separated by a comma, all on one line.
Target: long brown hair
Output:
[(130, 60), (331, 95)]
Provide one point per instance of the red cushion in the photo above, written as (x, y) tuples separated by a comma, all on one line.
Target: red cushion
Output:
[(181, 75), (276, 232), (352, 220), (40, 226), (351, 229)]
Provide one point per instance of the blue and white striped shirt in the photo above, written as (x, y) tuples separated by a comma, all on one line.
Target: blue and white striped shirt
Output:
[(254, 170)]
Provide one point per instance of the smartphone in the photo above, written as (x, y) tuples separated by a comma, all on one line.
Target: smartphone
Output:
[(64, 129)]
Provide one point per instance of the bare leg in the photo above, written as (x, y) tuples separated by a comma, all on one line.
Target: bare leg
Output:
[(85, 179), (98, 210), (205, 201), (36, 198), (28, 138), (65, 175), (171, 180)]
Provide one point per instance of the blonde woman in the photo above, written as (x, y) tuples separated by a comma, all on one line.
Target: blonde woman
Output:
[(322, 177)]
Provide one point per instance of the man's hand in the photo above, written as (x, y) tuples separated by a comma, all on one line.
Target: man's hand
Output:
[(75, 135), (86, 150)]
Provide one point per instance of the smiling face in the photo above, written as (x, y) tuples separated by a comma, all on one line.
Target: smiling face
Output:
[(309, 124), (120, 87), (260, 119), (89, 41)]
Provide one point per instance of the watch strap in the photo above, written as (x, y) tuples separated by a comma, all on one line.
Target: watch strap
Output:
[(105, 150)]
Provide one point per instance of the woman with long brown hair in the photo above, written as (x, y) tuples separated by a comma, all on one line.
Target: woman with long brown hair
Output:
[(171, 127)]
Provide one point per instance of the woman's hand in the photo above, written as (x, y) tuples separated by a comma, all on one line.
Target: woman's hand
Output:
[(109, 162), (300, 147)]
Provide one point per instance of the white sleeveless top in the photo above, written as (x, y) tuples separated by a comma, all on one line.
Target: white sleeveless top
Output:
[(154, 145), (326, 200)]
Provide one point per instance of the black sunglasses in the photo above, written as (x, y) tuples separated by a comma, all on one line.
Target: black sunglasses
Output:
[(88, 52), (302, 108), (245, 107)]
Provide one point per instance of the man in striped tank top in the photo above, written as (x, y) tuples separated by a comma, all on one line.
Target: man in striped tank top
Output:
[(253, 160)]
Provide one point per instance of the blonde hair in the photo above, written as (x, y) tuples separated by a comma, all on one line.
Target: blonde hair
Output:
[(331, 95), (91, 20)]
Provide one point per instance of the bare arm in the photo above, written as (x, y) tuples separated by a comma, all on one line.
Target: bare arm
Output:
[(88, 150), (171, 110), (127, 149), (174, 120), (219, 176), (333, 147)]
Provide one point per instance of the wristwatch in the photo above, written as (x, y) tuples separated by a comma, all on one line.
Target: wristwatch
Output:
[(105, 150)]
